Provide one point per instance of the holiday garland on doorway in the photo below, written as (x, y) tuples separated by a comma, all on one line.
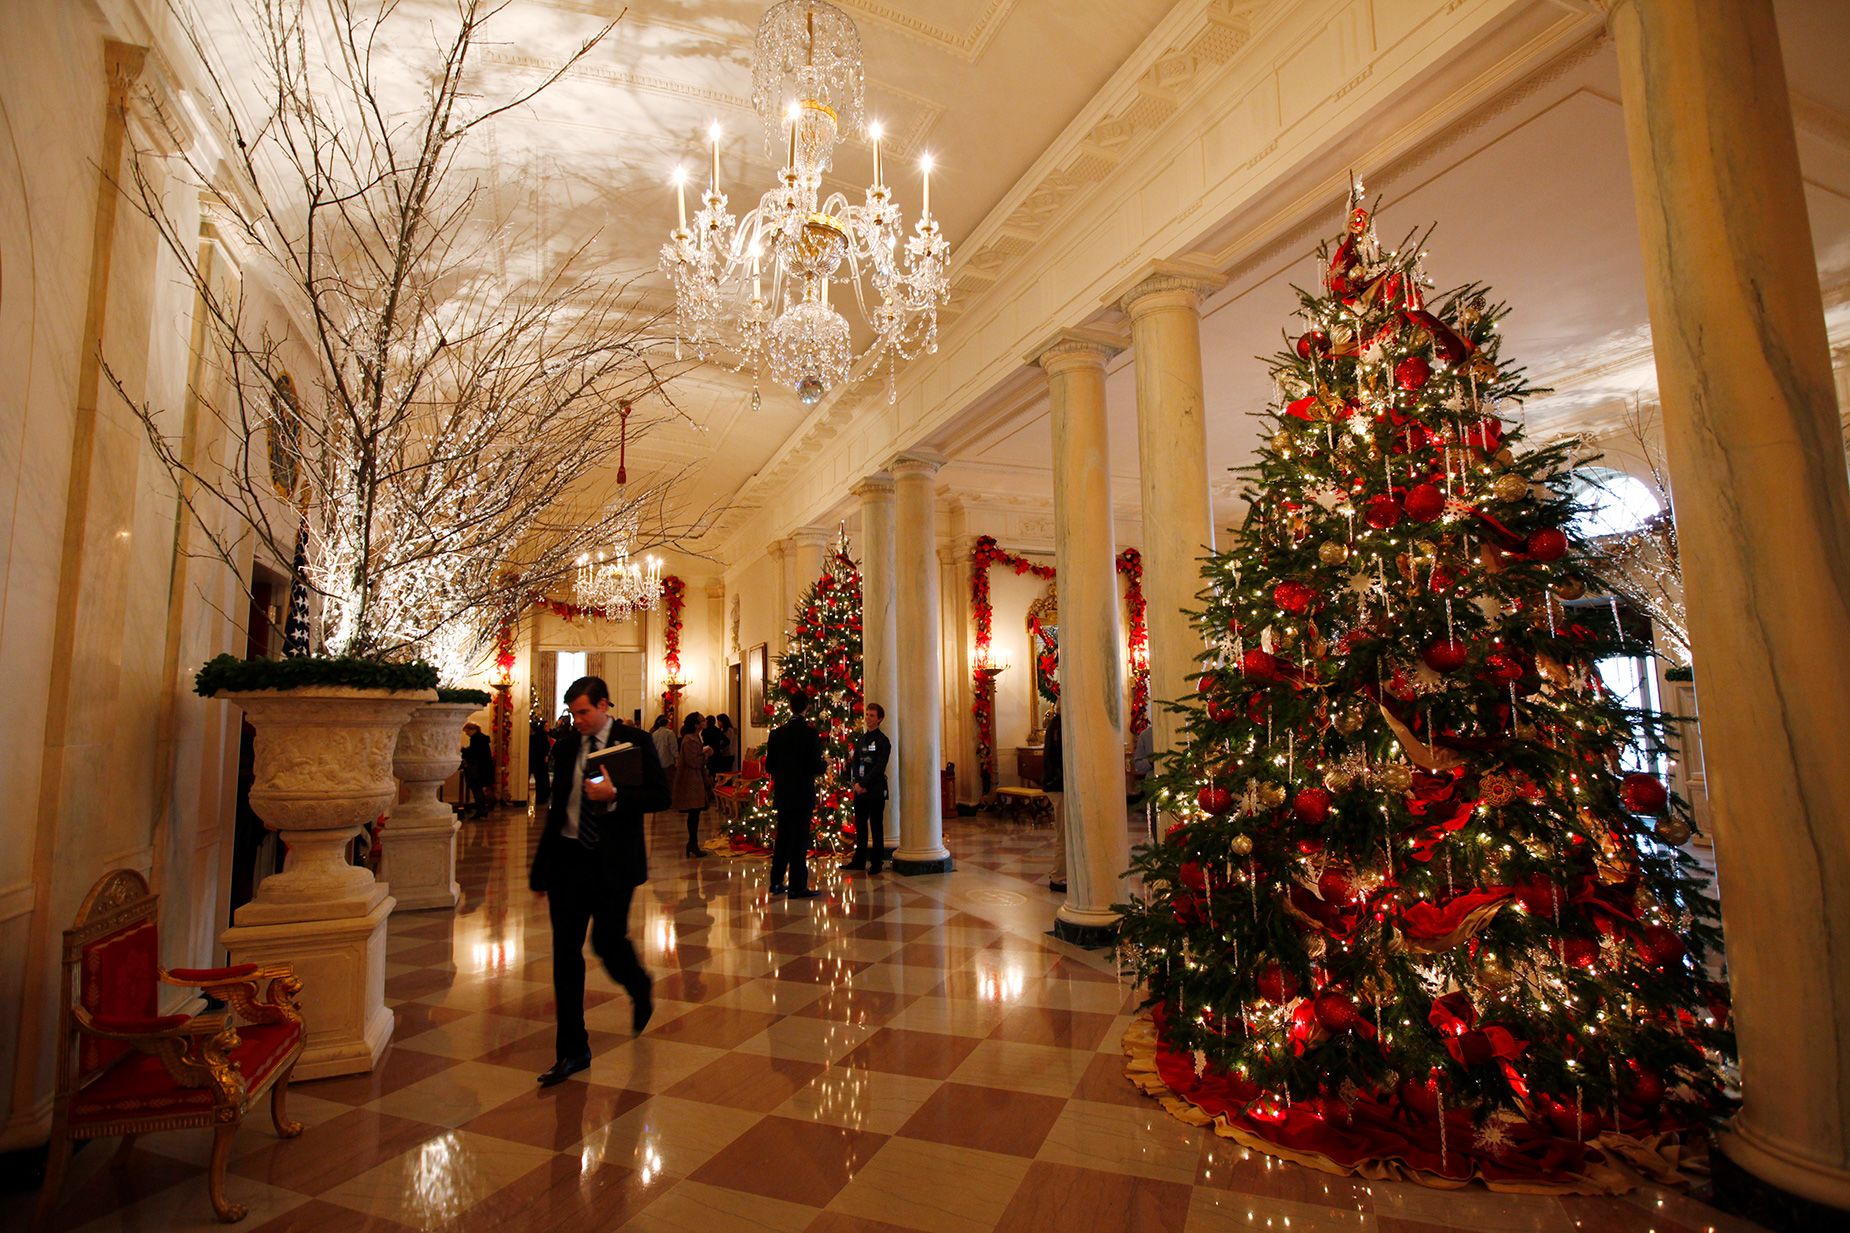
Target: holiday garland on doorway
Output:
[(503, 705), (986, 555), (1417, 919), (823, 663), (674, 599)]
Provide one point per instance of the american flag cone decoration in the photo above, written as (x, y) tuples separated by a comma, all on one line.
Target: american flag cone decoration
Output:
[(295, 628)]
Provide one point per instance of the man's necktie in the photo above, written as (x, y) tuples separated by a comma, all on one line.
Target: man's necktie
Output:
[(587, 808)]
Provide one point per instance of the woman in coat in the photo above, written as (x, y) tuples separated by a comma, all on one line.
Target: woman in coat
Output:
[(690, 780)]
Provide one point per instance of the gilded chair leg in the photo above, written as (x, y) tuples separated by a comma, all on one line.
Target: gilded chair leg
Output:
[(222, 1135), (57, 1156), (124, 1150), (279, 1099)]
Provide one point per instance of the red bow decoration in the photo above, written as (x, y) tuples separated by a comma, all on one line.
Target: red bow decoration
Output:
[(1469, 1044)]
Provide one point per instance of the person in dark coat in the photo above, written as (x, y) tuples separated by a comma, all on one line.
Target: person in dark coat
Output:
[(1053, 783), (725, 752), (793, 759), (591, 857), (478, 762), (690, 781), (868, 772), (539, 759)]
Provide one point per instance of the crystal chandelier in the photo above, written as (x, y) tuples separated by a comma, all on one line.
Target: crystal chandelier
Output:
[(616, 588), (757, 289)]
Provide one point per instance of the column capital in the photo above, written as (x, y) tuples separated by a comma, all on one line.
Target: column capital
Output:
[(777, 549), (1165, 284), (716, 588), (1072, 348), (877, 487), (810, 537), (916, 462)]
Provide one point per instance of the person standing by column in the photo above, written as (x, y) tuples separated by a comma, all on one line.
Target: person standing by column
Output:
[(591, 857), (690, 780), (868, 771), (1053, 783), (793, 759), (667, 743)]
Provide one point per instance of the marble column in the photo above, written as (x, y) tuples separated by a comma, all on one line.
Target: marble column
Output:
[(714, 687), (920, 674), (811, 547), (879, 633), (781, 568), (1763, 515), (1164, 305), (1092, 721)]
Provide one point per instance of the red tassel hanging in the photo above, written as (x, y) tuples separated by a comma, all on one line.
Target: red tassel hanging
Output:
[(623, 442)]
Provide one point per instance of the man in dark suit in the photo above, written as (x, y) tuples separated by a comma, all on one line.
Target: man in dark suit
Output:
[(868, 771), (479, 767), (592, 856), (793, 759)]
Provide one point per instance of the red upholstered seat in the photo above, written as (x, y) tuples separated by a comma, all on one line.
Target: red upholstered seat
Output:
[(139, 1086), (210, 976)]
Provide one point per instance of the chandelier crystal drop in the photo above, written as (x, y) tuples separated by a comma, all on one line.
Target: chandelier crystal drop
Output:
[(615, 587), (755, 291)]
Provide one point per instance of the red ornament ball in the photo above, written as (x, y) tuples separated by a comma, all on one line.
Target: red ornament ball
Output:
[(1276, 985), (1208, 683), (1262, 664), (1503, 669), (1546, 545), (1383, 512), (1296, 598), (1540, 896), (1412, 373), (1214, 799), (1311, 806), (1315, 340), (1580, 952), (1647, 1085), (1445, 654), (1424, 502), (1310, 845), (1222, 714), (1644, 793), (1659, 947), (1336, 1012)]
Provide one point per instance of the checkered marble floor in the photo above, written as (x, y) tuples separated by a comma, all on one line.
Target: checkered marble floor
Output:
[(900, 1054)]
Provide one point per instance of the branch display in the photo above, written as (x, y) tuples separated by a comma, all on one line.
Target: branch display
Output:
[(824, 664), (438, 424), (1424, 914)]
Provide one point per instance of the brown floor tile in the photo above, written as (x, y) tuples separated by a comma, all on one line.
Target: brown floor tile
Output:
[(872, 1007), (1104, 1082), (798, 1162), (396, 1069), (108, 1189), (324, 1156), (415, 985), (537, 1003), (719, 1027), (818, 970), (315, 1216), (414, 1017), (930, 1055), (890, 931), (1592, 1215), (841, 1222), (1063, 1197), (746, 1081), (694, 986), (556, 1117), (564, 1195), (1067, 1029), (536, 1052), (935, 955), (426, 955), (986, 1118), (1225, 1165)]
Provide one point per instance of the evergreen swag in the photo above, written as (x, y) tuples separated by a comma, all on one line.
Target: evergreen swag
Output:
[(229, 673), (1415, 919), (824, 662)]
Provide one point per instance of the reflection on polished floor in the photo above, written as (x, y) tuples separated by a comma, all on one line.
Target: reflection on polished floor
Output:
[(901, 1054)]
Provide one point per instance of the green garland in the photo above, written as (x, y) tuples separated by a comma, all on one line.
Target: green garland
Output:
[(228, 673), (478, 696)]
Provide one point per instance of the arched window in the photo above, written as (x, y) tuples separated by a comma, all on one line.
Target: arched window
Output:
[(1613, 502)]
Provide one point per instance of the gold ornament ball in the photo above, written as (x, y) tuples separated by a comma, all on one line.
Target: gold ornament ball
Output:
[(1337, 780), (1349, 720), (1271, 796), (1397, 777), (1240, 845), (1510, 487), (1282, 442), (1573, 588), (1332, 553), (1493, 975), (1673, 831)]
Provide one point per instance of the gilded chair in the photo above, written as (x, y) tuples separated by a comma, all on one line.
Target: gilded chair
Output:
[(126, 1069)]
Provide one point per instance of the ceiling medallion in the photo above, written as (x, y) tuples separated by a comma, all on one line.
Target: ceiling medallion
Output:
[(756, 290)]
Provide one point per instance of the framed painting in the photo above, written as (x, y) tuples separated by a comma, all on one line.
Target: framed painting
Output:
[(758, 680)]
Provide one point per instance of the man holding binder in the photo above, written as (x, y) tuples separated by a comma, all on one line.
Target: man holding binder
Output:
[(591, 857)]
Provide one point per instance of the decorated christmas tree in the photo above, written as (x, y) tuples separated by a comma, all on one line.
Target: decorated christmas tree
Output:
[(1417, 917), (824, 662)]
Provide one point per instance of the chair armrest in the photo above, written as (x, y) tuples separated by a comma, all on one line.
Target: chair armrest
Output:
[(238, 986), (208, 976), (132, 1027), (195, 1050)]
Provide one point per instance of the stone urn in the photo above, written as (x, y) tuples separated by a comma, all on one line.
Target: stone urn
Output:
[(323, 769), (419, 855)]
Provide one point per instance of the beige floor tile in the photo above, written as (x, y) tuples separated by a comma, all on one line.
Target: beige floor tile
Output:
[(692, 1207), (899, 978), (953, 1016), (933, 1187), (462, 1092), (1479, 1210), (666, 1136), (872, 1100), (778, 997), (1023, 1068), (439, 1180), (649, 1065), (807, 1040), (1221, 1211), (1144, 1142), (257, 1132), (186, 1208), (472, 1035)]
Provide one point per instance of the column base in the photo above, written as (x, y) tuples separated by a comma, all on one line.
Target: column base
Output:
[(910, 866), (1757, 1181), (1090, 936), (341, 964)]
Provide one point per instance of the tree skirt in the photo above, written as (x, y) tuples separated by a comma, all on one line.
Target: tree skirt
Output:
[(746, 850), (1388, 1140)]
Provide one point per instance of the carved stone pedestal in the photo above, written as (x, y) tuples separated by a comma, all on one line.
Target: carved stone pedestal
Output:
[(323, 768), (419, 856)]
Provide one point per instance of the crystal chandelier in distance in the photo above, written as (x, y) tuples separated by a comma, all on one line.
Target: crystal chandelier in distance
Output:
[(615, 587), (758, 288)]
